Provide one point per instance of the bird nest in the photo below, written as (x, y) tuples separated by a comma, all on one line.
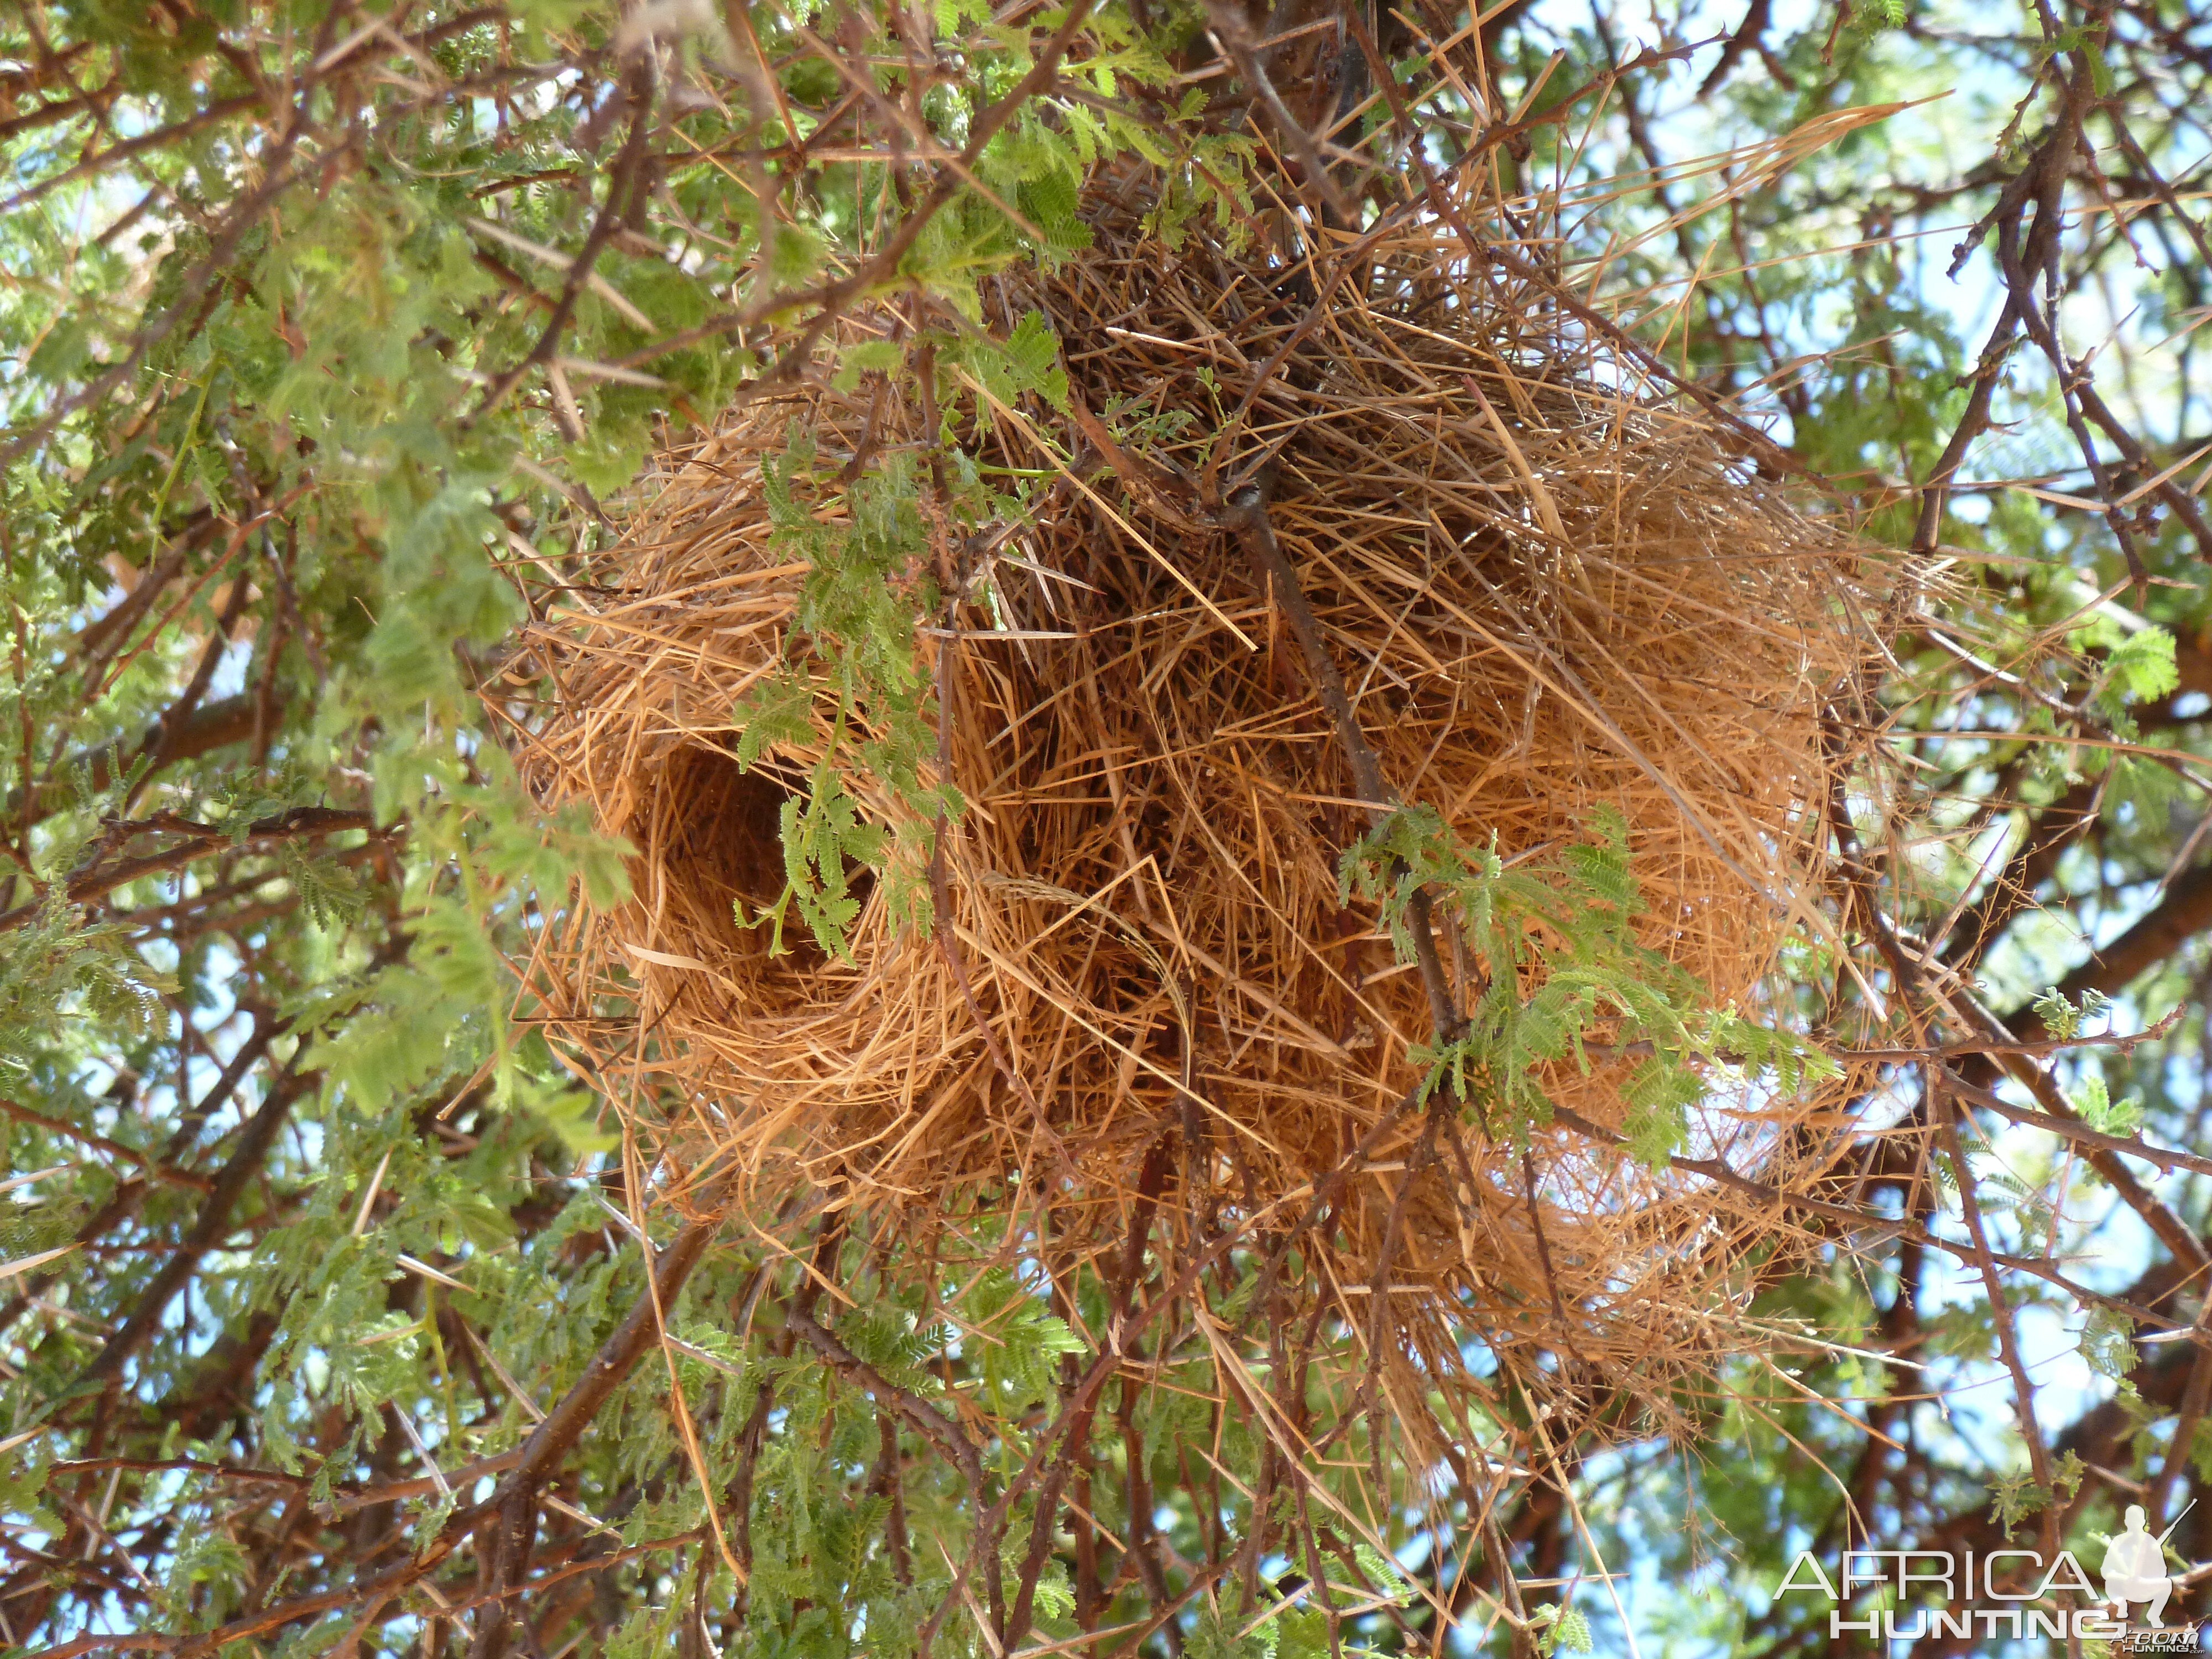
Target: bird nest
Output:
[(1560, 608)]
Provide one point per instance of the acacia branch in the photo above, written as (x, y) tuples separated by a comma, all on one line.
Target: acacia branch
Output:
[(1235, 34), (829, 299), (213, 1225), (2184, 912), (216, 726), (622, 190), (300, 823), (933, 1425), (279, 176), (1245, 516)]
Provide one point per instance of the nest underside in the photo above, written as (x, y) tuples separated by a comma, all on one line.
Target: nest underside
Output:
[(1548, 597)]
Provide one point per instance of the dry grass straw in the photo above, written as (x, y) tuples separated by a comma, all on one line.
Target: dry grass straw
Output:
[(1548, 593)]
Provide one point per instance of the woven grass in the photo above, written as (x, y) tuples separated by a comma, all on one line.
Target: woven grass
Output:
[(1547, 590)]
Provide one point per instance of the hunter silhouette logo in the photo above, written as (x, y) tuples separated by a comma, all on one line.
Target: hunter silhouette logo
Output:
[(2135, 1569)]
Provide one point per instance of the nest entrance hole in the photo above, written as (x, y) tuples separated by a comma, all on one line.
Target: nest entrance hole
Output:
[(716, 834)]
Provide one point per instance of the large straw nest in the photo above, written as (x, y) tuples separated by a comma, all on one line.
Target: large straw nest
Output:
[(1549, 595)]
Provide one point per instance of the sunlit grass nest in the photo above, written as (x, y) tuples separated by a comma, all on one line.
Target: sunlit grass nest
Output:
[(1552, 598)]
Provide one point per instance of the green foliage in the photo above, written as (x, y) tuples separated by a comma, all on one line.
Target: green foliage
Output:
[(56, 972), (1384, 1574), (1026, 361), (2108, 1343), (2100, 1112), (864, 545), (2062, 1019), (2138, 668), (778, 712), (1560, 1630), (1019, 1340), (821, 835), (2016, 1495), (1557, 967)]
